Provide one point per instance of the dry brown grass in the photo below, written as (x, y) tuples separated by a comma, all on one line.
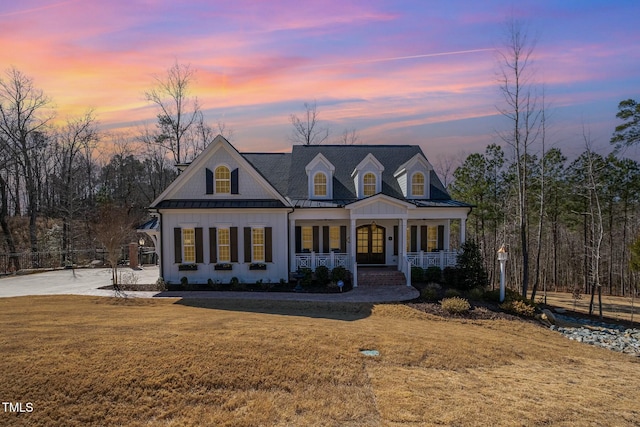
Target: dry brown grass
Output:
[(101, 361), (613, 307)]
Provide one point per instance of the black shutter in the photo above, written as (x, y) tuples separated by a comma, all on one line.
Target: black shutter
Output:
[(343, 239), (325, 239), (395, 240), (199, 244), (414, 239), (233, 237), (213, 245), (177, 245), (234, 181), (247, 244), (316, 238), (298, 240), (441, 237), (424, 243), (209, 176), (268, 243)]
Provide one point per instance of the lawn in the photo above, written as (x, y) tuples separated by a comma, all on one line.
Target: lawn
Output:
[(102, 361)]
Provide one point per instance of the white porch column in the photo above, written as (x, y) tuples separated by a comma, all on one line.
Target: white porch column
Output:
[(292, 245), (463, 230), (402, 245), (447, 235), (352, 249)]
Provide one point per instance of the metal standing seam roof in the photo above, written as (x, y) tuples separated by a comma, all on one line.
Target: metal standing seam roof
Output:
[(220, 204)]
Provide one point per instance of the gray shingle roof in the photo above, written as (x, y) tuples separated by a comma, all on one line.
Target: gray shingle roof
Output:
[(286, 171)]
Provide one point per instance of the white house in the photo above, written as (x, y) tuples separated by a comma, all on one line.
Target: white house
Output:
[(260, 216)]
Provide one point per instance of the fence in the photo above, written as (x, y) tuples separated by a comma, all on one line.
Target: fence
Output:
[(61, 259)]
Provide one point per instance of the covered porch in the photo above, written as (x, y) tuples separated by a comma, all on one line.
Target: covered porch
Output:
[(377, 231)]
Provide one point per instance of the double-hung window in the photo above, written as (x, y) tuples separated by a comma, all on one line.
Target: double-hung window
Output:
[(257, 244), (188, 245), (224, 245)]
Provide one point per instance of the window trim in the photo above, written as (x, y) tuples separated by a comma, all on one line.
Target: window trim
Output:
[(366, 185), (222, 181), (221, 246), (192, 245), (413, 184), (324, 184), (255, 246)]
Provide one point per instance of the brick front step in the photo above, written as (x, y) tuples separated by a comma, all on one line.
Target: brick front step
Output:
[(381, 277)]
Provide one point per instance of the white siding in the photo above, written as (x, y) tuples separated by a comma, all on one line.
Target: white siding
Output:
[(276, 219), (248, 186)]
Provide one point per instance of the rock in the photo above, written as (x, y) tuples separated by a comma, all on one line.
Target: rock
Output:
[(549, 316)]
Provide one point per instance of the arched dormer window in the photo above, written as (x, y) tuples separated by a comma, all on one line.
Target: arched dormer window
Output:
[(223, 180), (319, 185), (417, 184), (369, 184)]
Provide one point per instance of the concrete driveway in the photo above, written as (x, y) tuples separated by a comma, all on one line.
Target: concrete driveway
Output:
[(87, 282)]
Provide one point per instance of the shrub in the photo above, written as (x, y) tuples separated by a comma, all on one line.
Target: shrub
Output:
[(455, 305), (433, 274), (417, 275), (451, 293), (518, 307), (429, 294), (307, 277), (476, 293), (471, 266), (234, 282), (322, 275), (509, 295), (161, 285), (184, 281), (450, 277), (339, 273)]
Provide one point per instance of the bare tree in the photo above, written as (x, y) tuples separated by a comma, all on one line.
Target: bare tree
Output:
[(178, 112), (349, 137), (308, 131), (113, 226), (520, 110), (78, 136), (594, 166), (446, 164), (24, 120)]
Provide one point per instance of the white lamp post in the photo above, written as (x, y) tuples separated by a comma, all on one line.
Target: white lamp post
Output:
[(502, 257)]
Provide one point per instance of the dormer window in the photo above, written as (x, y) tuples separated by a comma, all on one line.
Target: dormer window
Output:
[(320, 185), (320, 177), (367, 176), (369, 184), (417, 185), (223, 180), (414, 177)]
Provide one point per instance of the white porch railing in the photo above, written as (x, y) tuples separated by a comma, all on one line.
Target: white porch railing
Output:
[(314, 260), (440, 259)]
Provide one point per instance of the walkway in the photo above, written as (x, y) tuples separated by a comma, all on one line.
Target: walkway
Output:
[(87, 282)]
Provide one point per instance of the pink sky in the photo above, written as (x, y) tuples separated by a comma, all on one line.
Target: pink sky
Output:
[(417, 72)]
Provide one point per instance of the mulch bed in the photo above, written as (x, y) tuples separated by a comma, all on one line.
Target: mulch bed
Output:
[(133, 288), (477, 312)]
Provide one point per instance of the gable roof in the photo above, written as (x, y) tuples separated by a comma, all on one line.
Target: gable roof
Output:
[(172, 192), (287, 172)]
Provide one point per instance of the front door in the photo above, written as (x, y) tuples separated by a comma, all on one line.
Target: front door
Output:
[(370, 244)]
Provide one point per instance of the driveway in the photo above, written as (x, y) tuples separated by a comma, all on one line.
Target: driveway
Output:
[(87, 282)]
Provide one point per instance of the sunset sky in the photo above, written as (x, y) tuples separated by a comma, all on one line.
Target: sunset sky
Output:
[(399, 72)]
